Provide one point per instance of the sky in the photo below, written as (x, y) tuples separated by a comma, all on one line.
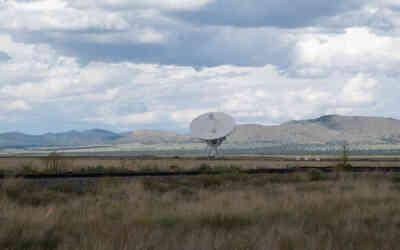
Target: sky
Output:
[(125, 65)]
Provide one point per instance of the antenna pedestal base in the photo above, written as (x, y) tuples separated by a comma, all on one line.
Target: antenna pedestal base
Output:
[(212, 147)]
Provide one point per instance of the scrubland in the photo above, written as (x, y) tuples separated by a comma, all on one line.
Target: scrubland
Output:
[(304, 210), (75, 164)]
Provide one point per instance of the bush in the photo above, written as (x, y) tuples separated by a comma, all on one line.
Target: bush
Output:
[(150, 184), (204, 167), (396, 178), (317, 175), (100, 169), (149, 169), (301, 176), (35, 194), (71, 188), (210, 181), (27, 169), (55, 163), (24, 237), (174, 168), (226, 221), (26, 193), (344, 166)]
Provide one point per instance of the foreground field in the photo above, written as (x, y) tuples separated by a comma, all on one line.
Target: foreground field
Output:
[(233, 211)]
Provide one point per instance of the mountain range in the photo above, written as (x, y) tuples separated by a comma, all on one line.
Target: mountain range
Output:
[(329, 129), (70, 138)]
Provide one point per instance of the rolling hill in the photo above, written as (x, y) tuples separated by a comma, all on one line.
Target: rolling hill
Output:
[(327, 130), (70, 138), (330, 129)]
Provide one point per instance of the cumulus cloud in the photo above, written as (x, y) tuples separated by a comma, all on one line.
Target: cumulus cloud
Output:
[(357, 49), (145, 4), (126, 96), (127, 65), (176, 32), (359, 90), (253, 13), (17, 105), (4, 56), (55, 15)]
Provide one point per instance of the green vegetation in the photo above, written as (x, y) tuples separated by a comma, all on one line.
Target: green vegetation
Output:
[(25, 192), (317, 175), (58, 165)]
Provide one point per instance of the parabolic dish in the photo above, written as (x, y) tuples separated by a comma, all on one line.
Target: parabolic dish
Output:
[(211, 126)]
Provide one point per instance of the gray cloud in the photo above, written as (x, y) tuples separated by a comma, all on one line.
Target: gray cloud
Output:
[(150, 64), (4, 56), (251, 33), (192, 47), (256, 13)]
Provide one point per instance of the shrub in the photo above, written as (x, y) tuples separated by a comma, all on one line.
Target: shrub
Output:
[(5, 172), (24, 237), (344, 166), (26, 193), (149, 169), (27, 169), (55, 162), (301, 176), (210, 181), (204, 167), (226, 221), (396, 178), (317, 175), (150, 184), (174, 168), (35, 194), (169, 221), (71, 188)]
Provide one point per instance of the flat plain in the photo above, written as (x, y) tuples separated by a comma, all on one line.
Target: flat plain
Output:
[(135, 163), (301, 210)]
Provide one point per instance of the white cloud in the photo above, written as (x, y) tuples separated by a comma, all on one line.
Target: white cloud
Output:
[(359, 89), (56, 15), (389, 2), (61, 21), (17, 105), (157, 4), (358, 49), (141, 118), (134, 35), (41, 5), (40, 82)]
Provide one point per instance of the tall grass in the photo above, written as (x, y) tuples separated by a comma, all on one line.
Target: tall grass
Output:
[(229, 211)]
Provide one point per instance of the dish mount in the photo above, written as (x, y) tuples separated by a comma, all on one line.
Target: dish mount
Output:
[(212, 128)]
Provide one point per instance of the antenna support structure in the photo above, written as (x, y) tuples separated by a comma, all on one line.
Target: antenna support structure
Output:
[(213, 129), (212, 147)]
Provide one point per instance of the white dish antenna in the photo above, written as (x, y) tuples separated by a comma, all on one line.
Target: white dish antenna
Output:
[(212, 128)]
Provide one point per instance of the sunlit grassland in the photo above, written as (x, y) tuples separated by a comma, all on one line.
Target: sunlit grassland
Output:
[(307, 210)]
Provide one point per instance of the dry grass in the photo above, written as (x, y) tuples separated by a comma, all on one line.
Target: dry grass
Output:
[(77, 163), (230, 211)]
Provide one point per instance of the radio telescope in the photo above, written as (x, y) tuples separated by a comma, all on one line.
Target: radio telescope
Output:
[(212, 128)]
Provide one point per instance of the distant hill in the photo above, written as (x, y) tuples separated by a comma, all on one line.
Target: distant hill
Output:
[(70, 138), (328, 130), (155, 137)]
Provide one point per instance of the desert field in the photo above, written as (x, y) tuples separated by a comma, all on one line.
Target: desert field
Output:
[(309, 211), (71, 163)]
